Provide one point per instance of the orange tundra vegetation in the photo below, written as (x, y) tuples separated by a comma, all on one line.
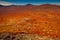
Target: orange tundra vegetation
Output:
[(42, 19)]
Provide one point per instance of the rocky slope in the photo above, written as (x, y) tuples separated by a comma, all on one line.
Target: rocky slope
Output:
[(43, 20)]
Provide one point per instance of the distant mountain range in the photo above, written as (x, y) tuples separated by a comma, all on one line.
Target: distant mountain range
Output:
[(32, 5)]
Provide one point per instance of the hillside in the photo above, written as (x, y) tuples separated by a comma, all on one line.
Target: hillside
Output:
[(41, 19)]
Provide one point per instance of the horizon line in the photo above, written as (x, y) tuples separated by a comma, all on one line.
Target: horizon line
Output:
[(30, 4)]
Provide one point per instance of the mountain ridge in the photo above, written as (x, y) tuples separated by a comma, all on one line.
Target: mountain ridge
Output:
[(33, 5)]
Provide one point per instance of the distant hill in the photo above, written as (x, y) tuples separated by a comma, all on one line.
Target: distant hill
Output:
[(34, 5), (1, 6)]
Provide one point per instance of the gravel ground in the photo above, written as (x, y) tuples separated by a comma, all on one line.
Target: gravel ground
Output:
[(23, 36)]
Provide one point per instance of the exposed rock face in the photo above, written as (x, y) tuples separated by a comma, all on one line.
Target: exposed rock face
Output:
[(18, 36)]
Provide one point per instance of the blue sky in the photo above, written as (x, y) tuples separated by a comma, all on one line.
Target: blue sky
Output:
[(35, 2)]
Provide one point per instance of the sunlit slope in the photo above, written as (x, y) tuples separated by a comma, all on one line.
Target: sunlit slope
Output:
[(43, 20)]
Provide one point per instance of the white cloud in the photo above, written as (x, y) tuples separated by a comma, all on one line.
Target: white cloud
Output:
[(5, 3)]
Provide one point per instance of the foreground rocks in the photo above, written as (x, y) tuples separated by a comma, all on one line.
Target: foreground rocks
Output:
[(23, 36)]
